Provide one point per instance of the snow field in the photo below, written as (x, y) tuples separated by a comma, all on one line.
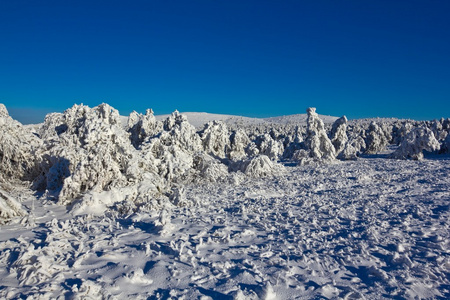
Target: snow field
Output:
[(373, 229), (93, 207)]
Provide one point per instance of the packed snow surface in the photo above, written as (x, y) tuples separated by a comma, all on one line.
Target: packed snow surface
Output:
[(92, 207)]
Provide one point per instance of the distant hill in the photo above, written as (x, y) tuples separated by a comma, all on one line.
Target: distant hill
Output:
[(197, 119)]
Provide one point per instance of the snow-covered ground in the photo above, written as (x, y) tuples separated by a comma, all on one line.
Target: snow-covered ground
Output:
[(160, 211), (373, 228)]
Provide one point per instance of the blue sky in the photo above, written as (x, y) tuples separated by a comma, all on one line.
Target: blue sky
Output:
[(356, 58)]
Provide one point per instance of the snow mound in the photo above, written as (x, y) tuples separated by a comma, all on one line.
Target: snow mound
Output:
[(9, 207), (259, 166), (415, 142)]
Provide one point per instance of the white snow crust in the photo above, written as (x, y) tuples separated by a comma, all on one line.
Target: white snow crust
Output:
[(95, 207)]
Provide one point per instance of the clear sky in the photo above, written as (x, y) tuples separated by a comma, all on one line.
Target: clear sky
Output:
[(374, 58)]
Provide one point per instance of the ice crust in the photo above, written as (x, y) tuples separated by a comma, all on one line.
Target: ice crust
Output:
[(94, 207)]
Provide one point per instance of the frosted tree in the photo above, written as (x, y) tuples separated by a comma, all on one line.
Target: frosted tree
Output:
[(401, 131), (86, 149), (260, 165), (352, 149), (9, 207), (317, 142), (238, 142), (215, 138), (376, 139), (142, 126), (171, 152), (445, 147), (19, 160), (209, 168), (294, 143), (415, 142), (19, 155), (269, 147), (339, 134)]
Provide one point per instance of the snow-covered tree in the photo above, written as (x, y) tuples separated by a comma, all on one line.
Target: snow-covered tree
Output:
[(215, 138), (293, 143), (18, 149), (352, 149), (142, 126), (19, 159), (445, 147), (269, 147), (376, 139), (339, 134), (86, 149), (317, 142), (415, 142), (9, 207), (260, 165), (238, 143)]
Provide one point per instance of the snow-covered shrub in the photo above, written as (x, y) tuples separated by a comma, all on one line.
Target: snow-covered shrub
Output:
[(415, 142), (171, 153), (215, 138), (260, 165), (293, 143), (142, 126), (376, 140), (18, 150), (209, 168), (238, 142), (86, 149), (317, 142), (401, 132), (445, 147), (339, 134), (9, 207), (437, 127), (269, 147), (352, 149), (179, 132), (252, 150)]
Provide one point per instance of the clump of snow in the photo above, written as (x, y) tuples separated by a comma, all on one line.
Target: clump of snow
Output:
[(415, 142)]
